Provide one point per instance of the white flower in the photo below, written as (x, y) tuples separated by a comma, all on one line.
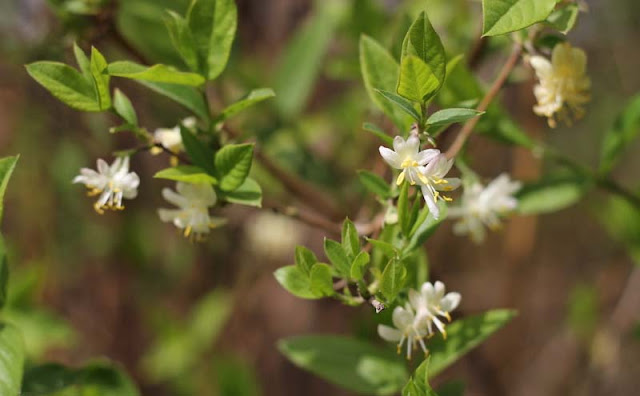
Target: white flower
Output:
[(406, 156), (112, 183), (430, 303), (564, 85), (193, 201), (482, 206), (406, 329), (432, 181), (170, 138)]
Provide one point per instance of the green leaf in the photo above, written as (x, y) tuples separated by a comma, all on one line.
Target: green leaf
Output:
[(4, 273), (379, 132), (182, 39), (199, 153), (401, 102), (375, 184), (463, 335), (187, 96), (255, 96), (350, 238), (249, 194), (122, 105), (425, 226), (186, 173), (388, 249), (380, 71), (66, 84), (305, 259), (302, 58), (100, 79), (233, 163), (359, 265), (337, 256), (505, 16), (418, 384), (446, 117), (552, 194), (348, 363), (213, 25), (564, 19), (11, 359), (404, 211), (321, 281), (393, 279), (417, 81), (625, 129), (7, 165), (83, 62), (622, 220), (296, 282), (424, 43), (155, 73)]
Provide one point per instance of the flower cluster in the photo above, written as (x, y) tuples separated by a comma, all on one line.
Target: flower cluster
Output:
[(426, 168), (414, 322), (563, 87), (483, 206)]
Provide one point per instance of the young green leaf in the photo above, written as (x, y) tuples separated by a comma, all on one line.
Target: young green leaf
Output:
[(418, 384), (182, 39), (12, 362), (213, 27), (349, 363), (404, 211), (321, 281), (337, 256), (199, 153), (401, 102), (155, 73), (417, 82), (296, 282), (359, 265), (393, 280), (305, 259), (350, 239), (7, 165), (446, 117), (4, 273), (232, 164), (100, 79), (374, 184), (252, 98), (379, 132), (122, 105), (564, 19), (187, 174), (388, 249), (425, 226), (83, 62), (248, 194), (624, 131), (552, 194), (505, 16), (187, 96), (66, 84)]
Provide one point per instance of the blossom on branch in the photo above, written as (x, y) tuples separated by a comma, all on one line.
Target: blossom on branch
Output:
[(563, 87), (483, 206), (112, 183), (433, 181), (407, 157), (170, 138)]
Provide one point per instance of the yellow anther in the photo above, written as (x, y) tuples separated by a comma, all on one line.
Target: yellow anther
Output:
[(400, 178), (187, 231), (409, 163), (447, 199)]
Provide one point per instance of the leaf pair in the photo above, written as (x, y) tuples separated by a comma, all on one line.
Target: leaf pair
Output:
[(308, 278)]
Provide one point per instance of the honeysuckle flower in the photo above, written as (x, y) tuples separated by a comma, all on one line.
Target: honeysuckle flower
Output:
[(406, 329), (563, 87), (432, 181), (432, 302), (407, 157), (112, 183), (170, 138), (483, 206), (193, 202)]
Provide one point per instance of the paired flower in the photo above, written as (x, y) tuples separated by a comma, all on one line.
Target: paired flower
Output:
[(426, 168), (563, 87), (170, 138), (112, 183), (483, 206), (415, 320), (193, 202)]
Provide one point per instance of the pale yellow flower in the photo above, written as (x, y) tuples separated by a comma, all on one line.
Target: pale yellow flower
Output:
[(563, 87)]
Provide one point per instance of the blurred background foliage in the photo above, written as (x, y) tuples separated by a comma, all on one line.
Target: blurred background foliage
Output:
[(187, 319)]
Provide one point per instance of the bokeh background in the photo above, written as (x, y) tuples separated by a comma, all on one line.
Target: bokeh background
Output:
[(204, 319)]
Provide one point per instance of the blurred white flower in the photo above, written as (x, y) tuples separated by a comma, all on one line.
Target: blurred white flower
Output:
[(193, 201), (483, 206), (113, 183), (563, 87), (170, 138), (432, 302), (279, 241), (406, 329), (432, 181), (407, 157)]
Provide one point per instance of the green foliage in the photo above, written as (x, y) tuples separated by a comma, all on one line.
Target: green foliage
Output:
[(199, 153), (307, 278), (425, 226), (187, 96), (350, 239), (249, 194), (349, 363), (622, 220), (446, 117), (375, 184), (213, 27), (98, 66), (337, 256), (552, 193), (182, 39), (418, 384), (359, 265), (394, 278), (505, 16), (625, 129), (233, 163), (156, 73), (564, 19), (11, 359), (4, 273), (7, 165), (252, 98), (402, 103), (123, 107), (378, 132), (186, 173), (235, 377)]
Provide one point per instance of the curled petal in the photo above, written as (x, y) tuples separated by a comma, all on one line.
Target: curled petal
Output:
[(389, 333)]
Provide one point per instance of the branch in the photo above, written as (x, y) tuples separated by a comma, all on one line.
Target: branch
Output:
[(468, 127), (307, 217)]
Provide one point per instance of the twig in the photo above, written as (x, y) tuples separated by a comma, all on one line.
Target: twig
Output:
[(468, 127), (307, 217)]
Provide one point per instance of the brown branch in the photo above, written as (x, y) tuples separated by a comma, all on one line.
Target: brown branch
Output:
[(468, 127), (310, 218)]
